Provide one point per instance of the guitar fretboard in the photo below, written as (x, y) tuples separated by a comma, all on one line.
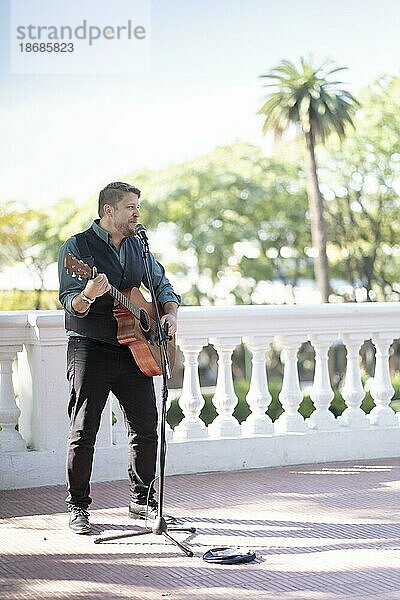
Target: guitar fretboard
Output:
[(124, 301), (131, 307)]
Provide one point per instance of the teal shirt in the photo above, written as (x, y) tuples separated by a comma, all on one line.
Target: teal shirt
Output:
[(70, 287)]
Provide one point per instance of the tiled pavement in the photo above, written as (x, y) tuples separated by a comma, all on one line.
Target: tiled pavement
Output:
[(320, 532)]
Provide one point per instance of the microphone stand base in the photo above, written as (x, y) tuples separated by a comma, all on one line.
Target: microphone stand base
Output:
[(160, 527)]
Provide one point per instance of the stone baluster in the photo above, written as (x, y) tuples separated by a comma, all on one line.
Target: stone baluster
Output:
[(321, 392), (225, 399), (10, 439), (353, 392), (44, 386), (191, 401), (290, 395), (381, 389), (258, 396), (119, 433)]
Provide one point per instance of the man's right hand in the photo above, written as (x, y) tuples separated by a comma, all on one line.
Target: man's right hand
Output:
[(94, 288), (97, 287)]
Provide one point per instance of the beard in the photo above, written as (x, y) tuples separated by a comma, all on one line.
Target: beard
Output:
[(126, 229)]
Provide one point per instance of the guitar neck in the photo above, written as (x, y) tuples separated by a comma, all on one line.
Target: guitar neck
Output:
[(116, 294)]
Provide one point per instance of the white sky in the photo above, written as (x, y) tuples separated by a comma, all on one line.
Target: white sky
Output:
[(68, 135)]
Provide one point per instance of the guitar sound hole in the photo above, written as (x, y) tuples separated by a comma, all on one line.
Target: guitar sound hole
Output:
[(144, 321)]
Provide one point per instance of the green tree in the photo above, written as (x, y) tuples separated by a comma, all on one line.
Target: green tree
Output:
[(236, 219), (307, 98), (360, 182), (33, 237), (13, 231)]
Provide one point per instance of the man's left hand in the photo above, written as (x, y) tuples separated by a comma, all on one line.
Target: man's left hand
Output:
[(172, 323)]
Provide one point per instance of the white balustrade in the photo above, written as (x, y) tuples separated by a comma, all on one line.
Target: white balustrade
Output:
[(38, 340), (225, 399), (353, 391), (12, 336), (321, 392), (381, 389), (191, 401), (47, 396), (290, 395), (10, 439), (258, 397)]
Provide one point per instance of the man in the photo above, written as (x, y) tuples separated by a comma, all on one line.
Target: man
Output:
[(97, 363)]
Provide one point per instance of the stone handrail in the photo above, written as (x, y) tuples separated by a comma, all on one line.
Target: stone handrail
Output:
[(33, 393)]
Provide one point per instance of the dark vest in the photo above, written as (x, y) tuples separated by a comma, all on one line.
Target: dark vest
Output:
[(99, 323)]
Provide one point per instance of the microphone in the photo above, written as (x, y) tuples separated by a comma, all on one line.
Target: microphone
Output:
[(140, 231)]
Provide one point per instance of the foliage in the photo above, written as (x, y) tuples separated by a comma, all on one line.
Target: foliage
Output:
[(237, 220), (33, 237), (361, 188), (27, 300), (307, 98), (231, 221)]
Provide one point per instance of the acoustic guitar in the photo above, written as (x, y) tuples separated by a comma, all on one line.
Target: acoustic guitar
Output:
[(135, 319)]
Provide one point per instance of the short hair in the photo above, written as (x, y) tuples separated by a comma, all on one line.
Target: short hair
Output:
[(113, 193)]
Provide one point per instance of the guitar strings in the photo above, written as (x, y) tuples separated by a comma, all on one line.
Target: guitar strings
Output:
[(131, 307)]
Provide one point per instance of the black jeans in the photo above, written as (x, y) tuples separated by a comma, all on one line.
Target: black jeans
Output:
[(93, 370)]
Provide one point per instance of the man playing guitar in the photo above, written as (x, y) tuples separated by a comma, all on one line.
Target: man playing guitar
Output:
[(104, 354)]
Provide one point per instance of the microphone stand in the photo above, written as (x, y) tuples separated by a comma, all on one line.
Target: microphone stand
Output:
[(160, 526)]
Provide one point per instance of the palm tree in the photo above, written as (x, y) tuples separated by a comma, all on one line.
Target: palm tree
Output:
[(307, 98)]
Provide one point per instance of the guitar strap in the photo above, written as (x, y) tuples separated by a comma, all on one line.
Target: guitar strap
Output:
[(84, 252)]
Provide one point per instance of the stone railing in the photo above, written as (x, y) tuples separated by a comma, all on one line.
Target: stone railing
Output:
[(33, 393)]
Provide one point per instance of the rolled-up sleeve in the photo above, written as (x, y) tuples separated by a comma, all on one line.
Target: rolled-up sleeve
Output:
[(69, 286), (162, 287)]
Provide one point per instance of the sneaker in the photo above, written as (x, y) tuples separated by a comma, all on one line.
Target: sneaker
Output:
[(147, 511), (79, 520)]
